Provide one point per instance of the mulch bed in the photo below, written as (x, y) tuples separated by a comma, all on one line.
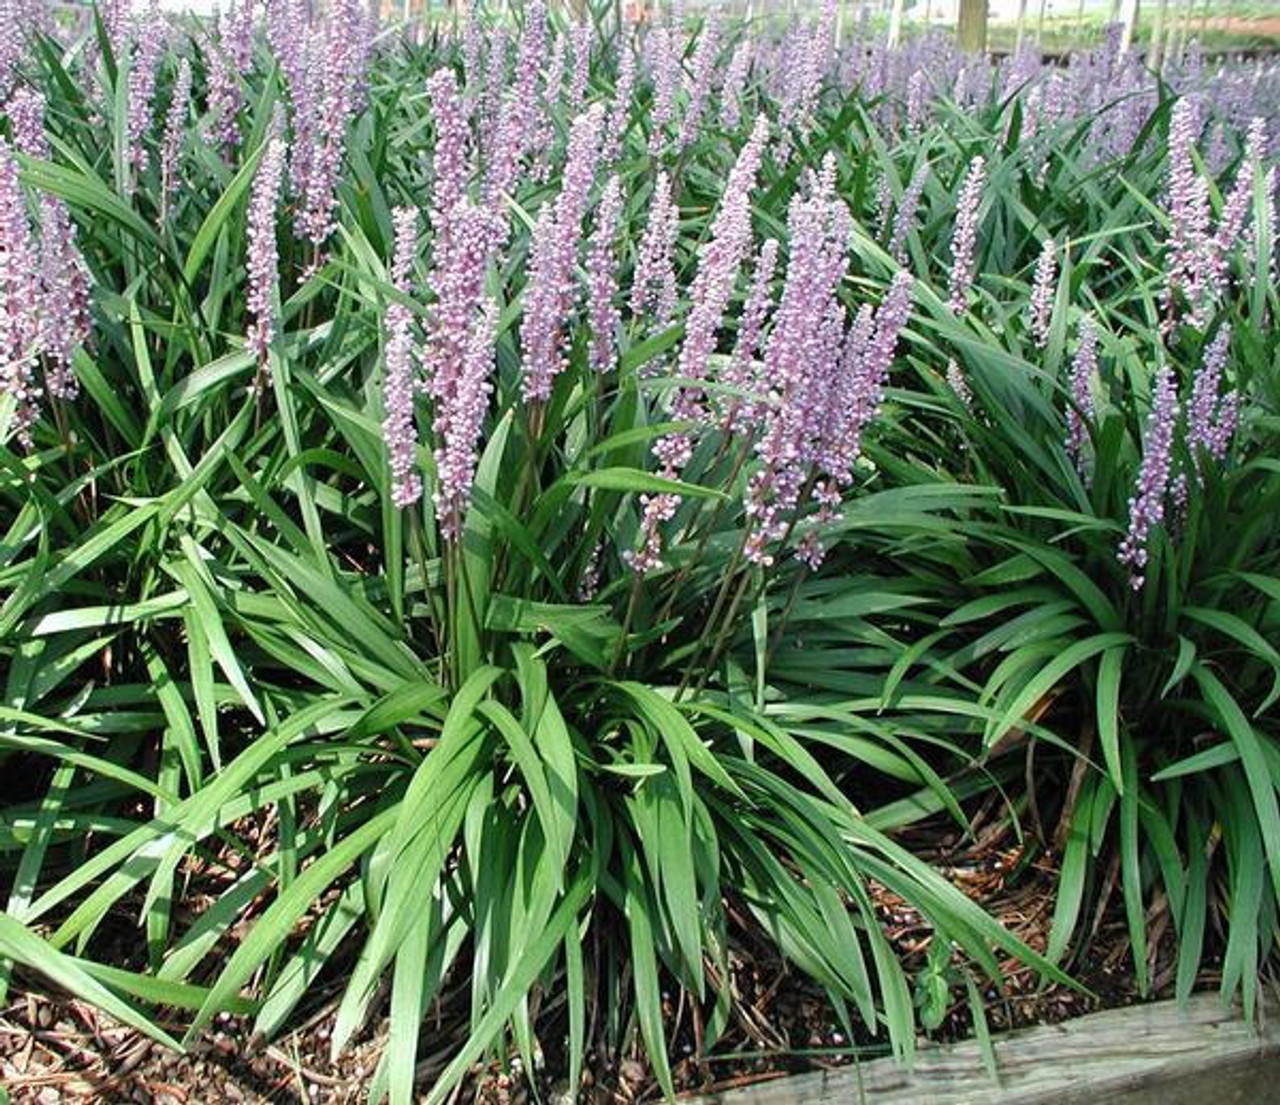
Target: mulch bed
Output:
[(57, 1049)]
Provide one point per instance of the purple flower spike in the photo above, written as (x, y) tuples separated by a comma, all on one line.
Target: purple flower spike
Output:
[(152, 32), (399, 428), (665, 54), (620, 114), (456, 455), (1189, 241), (451, 163), (965, 236), (549, 297), (1042, 293), (20, 330), (263, 262), (338, 52), (602, 279), (229, 57), (653, 284), (735, 80), (1211, 420), (1084, 367), (905, 218), (742, 372), (26, 119), (457, 284), (698, 85), (175, 132), (721, 258), (1146, 507), (802, 351), (581, 66)]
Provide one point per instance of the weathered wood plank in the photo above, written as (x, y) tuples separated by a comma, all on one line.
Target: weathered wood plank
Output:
[(1145, 1055)]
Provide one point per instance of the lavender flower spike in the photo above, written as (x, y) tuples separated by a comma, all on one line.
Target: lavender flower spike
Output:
[(142, 84), (965, 236), (175, 130), (700, 81), (550, 295), (263, 260), (26, 119), (718, 265), (1146, 507), (1210, 420), (456, 455), (905, 217), (1190, 245), (1042, 293), (1084, 366), (619, 115), (741, 372), (19, 300), (399, 429), (653, 284), (602, 278), (451, 163), (63, 284)]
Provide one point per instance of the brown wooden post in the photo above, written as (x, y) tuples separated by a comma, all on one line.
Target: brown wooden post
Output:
[(971, 26)]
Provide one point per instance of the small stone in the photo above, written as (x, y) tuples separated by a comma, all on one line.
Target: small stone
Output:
[(631, 1071)]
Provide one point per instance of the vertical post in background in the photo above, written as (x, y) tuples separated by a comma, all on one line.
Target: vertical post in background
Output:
[(895, 23), (1131, 12), (1155, 48), (1020, 28), (971, 26)]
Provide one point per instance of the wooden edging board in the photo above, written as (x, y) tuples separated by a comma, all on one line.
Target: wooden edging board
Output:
[(1156, 1054)]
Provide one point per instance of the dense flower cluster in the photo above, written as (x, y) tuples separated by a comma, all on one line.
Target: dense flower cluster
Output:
[(602, 279), (1190, 243), (1146, 505), (665, 63), (699, 81), (59, 318), (263, 251), (965, 235), (803, 346), (904, 218), (620, 112), (229, 57), (552, 288), (744, 371), (517, 122), (456, 455), (1084, 368), (451, 164), (20, 328), (331, 83), (1211, 418), (175, 133), (653, 284), (1042, 292), (719, 262), (151, 33), (399, 427)]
